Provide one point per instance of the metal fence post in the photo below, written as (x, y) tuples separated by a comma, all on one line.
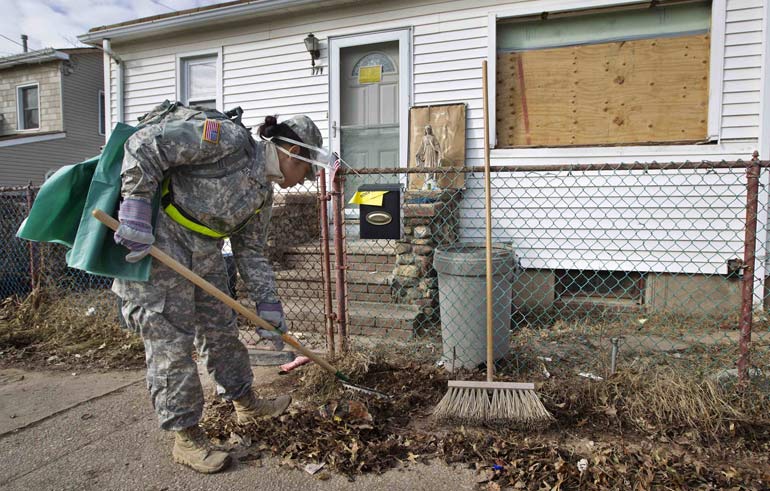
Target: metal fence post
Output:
[(339, 260), (752, 194), (329, 316), (33, 273)]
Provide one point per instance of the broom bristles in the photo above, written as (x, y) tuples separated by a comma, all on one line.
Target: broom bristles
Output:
[(474, 405)]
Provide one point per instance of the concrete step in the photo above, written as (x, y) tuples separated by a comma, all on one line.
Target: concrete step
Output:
[(370, 265), (365, 318), (369, 286), (362, 255), (358, 246), (312, 264), (365, 286)]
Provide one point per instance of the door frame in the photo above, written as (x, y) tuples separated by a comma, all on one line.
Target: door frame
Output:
[(404, 38)]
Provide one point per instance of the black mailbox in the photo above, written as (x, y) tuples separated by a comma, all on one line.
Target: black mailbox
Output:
[(381, 222)]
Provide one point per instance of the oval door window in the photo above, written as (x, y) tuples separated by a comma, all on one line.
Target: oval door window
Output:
[(379, 218)]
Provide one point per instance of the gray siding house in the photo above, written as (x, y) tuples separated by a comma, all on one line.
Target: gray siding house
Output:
[(51, 112)]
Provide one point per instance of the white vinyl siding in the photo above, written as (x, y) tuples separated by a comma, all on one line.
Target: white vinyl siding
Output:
[(594, 221), (112, 90), (266, 70), (146, 83), (273, 77), (672, 221), (742, 69)]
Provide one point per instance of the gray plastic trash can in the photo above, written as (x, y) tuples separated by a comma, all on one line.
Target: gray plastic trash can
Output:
[(462, 298)]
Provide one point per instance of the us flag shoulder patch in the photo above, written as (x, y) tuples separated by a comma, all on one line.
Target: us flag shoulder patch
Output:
[(211, 131)]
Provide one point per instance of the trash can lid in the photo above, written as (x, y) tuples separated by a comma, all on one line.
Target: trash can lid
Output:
[(470, 259)]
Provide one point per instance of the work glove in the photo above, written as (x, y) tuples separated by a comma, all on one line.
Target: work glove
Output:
[(135, 230), (272, 313)]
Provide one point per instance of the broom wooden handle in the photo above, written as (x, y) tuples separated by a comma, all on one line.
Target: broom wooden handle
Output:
[(219, 295), (488, 209)]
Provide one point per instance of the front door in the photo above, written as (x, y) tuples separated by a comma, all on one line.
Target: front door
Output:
[(369, 103)]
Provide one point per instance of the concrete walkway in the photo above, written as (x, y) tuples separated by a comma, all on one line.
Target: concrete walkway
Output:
[(107, 438), (29, 397)]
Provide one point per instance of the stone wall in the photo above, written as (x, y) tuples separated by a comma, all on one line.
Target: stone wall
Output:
[(431, 219)]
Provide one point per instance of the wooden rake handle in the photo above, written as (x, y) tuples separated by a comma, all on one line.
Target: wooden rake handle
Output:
[(172, 263), (488, 216)]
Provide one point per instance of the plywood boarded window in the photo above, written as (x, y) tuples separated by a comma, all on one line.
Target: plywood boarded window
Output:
[(635, 76)]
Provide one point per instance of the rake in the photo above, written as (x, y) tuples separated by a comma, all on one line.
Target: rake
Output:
[(487, 402), (235, 305)]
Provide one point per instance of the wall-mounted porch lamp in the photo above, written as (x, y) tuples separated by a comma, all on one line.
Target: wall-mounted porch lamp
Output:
[(313, 47)]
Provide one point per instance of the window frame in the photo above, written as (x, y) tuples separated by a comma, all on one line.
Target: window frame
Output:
[(20, 109), (565, 288), (716, 70), (102, 111), (181, 61)]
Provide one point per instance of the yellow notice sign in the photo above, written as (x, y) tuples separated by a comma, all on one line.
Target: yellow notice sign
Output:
[(370, 74), (372, 198)]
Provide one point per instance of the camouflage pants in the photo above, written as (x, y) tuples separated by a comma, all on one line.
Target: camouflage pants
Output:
[(190, 318)]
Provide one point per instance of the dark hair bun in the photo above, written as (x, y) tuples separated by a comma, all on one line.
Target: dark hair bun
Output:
[(269, 127)]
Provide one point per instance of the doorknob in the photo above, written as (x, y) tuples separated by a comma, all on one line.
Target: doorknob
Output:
[(334, 129)]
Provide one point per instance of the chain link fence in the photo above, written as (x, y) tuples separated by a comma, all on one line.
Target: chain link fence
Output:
[(595, 267), (293, 248), (16, 259)]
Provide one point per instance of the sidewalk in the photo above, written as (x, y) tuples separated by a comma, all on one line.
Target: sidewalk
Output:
[(112, 442)]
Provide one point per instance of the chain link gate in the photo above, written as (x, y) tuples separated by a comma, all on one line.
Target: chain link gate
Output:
[(615, 265), (295, 250)]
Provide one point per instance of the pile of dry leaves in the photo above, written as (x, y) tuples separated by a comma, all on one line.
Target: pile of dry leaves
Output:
[(604, 438)]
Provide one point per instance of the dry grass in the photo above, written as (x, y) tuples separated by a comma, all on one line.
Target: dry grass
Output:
[(319, 385), (61, 330), (686, 344), (667, 380), (660, 402)]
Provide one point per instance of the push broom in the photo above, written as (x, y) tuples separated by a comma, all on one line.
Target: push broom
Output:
[(490, 401)]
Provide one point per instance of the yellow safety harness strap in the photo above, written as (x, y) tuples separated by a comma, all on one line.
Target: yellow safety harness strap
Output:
[(180, 216)]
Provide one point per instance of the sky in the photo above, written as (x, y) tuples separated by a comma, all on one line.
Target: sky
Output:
[(57, 23)]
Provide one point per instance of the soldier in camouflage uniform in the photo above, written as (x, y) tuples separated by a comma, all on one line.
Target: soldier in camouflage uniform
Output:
[(216, 182)]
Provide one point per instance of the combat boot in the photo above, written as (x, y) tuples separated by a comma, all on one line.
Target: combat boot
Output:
[(249, 408), (192, 448)]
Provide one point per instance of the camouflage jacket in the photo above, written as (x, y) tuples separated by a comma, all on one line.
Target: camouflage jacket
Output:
[(217, 175)]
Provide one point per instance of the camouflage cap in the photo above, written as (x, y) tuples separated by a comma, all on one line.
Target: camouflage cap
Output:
[(309, 133)]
